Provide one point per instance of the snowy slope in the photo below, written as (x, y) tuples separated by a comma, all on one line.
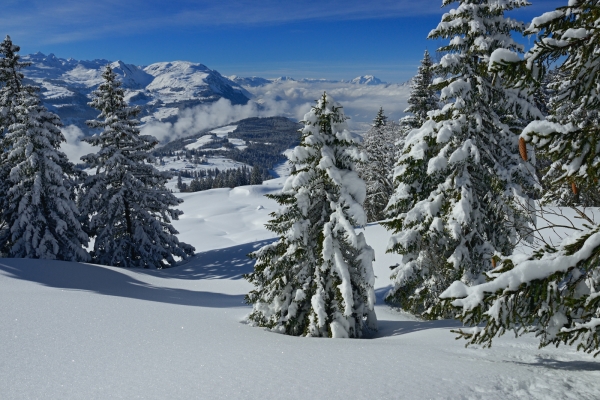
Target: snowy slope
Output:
[(73, 331)]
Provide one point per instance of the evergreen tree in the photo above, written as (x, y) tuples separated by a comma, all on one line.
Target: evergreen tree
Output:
[(317, 280), (11, 85), (126, 199), (553, 293), (380, 119), (379, 147), (40, 211), (422, 98), (585, 193), (256, 176), (461, 187)]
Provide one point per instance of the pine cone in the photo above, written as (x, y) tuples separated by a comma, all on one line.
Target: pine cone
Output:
[(523, 149), (493, 263), (574, 188)]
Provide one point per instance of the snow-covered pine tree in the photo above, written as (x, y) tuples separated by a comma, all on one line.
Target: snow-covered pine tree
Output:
[(11, 85), (317, 279), (11, 82), (129, 206), (587, 193), (40, 212), (461, 187), (380, 119), (379, 147), (423, 97), (555, 292)]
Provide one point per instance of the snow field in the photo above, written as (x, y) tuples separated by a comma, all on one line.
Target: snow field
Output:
[(199, 142), (224, 131), (72, 331)]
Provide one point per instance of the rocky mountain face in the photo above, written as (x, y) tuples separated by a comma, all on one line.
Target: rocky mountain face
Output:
[(160, 89)]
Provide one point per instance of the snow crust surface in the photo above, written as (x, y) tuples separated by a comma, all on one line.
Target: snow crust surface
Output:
[(73, 331)]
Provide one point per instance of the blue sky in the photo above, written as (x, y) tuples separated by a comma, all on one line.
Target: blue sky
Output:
[(335, 39)]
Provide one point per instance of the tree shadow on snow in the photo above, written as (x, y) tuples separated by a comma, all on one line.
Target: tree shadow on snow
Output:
[(388, 328), (229, 263), (564, 365)]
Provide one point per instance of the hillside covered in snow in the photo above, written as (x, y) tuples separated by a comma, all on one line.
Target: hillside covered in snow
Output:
[(74, 331)]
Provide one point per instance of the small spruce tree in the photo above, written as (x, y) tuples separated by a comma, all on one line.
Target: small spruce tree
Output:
[(380, 119), (423, 97), (317, 279), (129, 206), (379, 147)]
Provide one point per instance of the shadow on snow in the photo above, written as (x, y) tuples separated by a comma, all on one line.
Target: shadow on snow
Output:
[(563, 365), (229, 263)]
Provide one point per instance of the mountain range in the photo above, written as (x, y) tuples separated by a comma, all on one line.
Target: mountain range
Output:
[(161, 90)]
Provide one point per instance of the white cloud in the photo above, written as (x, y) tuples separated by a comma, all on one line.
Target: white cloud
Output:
[(194, 120), (292, 99), (74, 148), (360, 102)]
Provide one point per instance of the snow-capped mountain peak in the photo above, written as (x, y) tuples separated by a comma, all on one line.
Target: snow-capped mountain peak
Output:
[(132, 76), (367, 80), (160, 89)]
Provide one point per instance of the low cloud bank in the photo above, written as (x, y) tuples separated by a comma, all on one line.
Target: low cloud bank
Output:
[(194, 120), (360, 102), (287, 98), (291, 99)]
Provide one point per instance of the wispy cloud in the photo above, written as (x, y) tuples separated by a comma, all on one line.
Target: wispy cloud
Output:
[(60, 21)]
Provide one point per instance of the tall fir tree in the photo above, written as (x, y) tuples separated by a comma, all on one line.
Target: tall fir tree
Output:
[(317, 279), (11, 82), (129, 206), (380, 149), (423, 97), (555, 292), (461, 188), (11, 85), (39, 209)]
